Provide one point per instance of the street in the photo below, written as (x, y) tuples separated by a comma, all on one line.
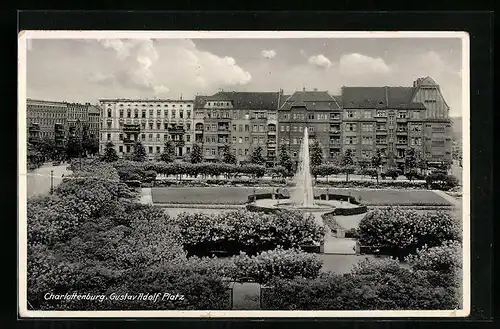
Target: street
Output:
[(38, 181)]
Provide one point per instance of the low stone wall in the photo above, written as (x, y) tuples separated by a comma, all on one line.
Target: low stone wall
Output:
[(360, 209)]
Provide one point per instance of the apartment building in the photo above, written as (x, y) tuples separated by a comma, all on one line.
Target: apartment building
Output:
[(394, 119), (46, 119), (151, 121), (244, 120), (94, 121), (317, 110)]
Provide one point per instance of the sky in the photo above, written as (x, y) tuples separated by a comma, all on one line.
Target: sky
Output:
[(84, 70)]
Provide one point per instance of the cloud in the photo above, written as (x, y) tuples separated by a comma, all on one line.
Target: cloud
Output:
[(269, 54), (358, 64), (167, 66), (320, 61)]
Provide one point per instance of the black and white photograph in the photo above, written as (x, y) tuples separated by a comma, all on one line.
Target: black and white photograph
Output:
[(243, 174)]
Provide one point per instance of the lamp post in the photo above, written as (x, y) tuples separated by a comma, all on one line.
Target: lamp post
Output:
[(51, 181)]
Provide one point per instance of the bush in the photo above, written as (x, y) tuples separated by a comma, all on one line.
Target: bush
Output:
[(352, 233), (400, 232), (445, 258), (394, 173), (372, 285), (441, 181), (246, 231), (278, 172), (371, 172)]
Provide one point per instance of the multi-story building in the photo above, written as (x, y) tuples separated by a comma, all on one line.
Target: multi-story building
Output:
[(94, 114), (151, 121), (320, 112), (245, 120), (46, 119), (395, 119)]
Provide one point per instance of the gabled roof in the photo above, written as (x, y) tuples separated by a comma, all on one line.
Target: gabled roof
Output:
[(94, 109), (253, 100), (311, 100), (379, 97), (199, 101), (364, 97)]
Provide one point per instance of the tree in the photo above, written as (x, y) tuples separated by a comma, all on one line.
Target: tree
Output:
[(410, 163), (197, 154), (168, 154), (110, 153), (315, 154), (391, 162), (228, 155), (257, 157), (73, 148), (47, 147), (139, 153), (348, 163), (284, 160), (377, 161)]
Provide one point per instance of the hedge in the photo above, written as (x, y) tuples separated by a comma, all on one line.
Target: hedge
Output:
[(400, 232), (372, 285), (232, 232), (262, 267)]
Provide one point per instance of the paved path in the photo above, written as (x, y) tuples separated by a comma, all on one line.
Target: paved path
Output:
[(146, 197), (38, 180)]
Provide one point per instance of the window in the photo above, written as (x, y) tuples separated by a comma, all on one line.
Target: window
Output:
[(234, 139), (173, 114), (367, 127), (287, 128), (158, 112), (261, 128), (294, 128), (234, 127), (121, 137), (109, 113), (109, 137), (416, 141), (282, 128), (109, 125), (402, 114), (150, 149), (301, 129), (136, 113), (255, 128), (366, 154), (158, 149), (416, 114), (207, 127), (367, 140), (391, 119), (350, 126), (367, 114), (311, 116), (181, 114), (381, 113), (246, 140), (294, 141), (350, 114), (128, 148), (285, 115), (121, 113), (240, 128), (213, 151), (240, 140), (350, 140), (261, 139), (120, 148)]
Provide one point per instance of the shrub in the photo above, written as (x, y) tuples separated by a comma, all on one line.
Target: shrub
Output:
[(247, 231), (278, 171), (445, 258), (277, 263), (371, 172), (352, 233), (372, 285), (394, 173), (400, 232), (441, 181)]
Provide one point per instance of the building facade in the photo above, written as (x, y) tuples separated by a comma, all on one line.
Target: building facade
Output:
[(46, 119), (151, 121), (320, 112), (394, 119), (94, 119), (244, 120)]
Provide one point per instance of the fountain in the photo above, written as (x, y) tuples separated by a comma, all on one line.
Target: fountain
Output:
[(302, 196)]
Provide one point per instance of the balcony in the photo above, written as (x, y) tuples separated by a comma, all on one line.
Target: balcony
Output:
[(132, 128), (129, 141), (334, 131), (402, 132), (271, 132), (223, 131), (401, 119), (198, 132), (176, 130)]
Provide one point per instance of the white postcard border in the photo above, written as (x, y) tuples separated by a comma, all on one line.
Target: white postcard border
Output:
[(24, 38)]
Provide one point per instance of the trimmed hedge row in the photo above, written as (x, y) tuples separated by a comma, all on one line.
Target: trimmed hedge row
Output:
[(263, 267), (232, 232), (372, 285), (398, 232)]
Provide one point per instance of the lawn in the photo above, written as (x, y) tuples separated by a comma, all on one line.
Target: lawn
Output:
[(239, 195)]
